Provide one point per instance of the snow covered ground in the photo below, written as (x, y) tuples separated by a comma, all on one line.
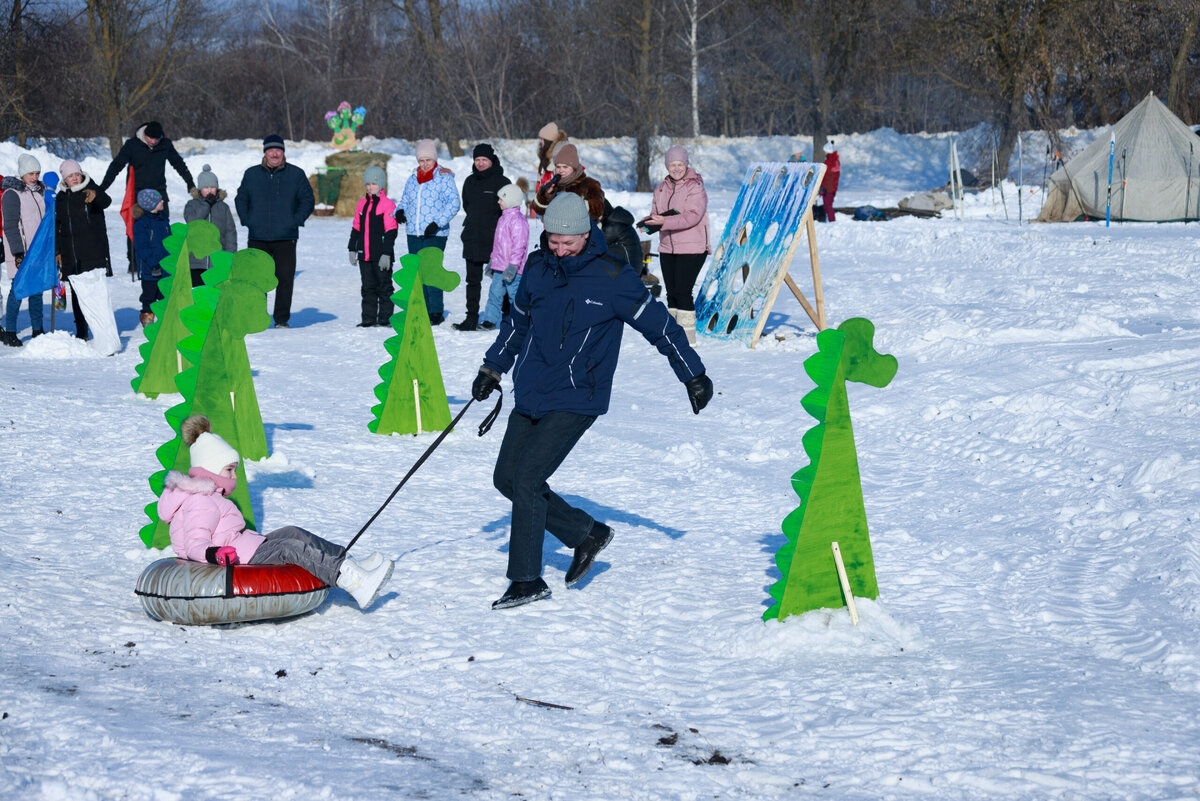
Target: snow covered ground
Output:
[(1030, 476)]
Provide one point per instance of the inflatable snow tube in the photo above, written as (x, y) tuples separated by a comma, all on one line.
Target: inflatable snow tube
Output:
[(199, 594)]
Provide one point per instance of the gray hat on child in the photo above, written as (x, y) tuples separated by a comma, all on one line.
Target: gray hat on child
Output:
[(567, 214), (375, 175), (207, 179)]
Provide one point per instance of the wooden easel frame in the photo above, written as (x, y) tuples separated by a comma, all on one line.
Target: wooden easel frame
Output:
[(817, 314)]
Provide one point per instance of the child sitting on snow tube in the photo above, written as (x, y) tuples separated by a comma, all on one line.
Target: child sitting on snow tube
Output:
[(207, 527)]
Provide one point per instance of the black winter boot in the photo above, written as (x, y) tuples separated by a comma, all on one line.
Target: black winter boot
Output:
[(469, 323), (597, 539), (520, 593), (10, 339)]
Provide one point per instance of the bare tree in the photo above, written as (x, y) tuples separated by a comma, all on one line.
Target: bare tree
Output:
[(426, 22), (693, 16), (138, 47)]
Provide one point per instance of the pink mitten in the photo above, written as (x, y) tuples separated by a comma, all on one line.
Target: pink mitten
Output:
[(227, 555)]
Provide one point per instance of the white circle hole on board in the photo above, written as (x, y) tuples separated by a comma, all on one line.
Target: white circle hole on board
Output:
[(772, 231), (744, 235), (780, 178), (739, 278), (710, 291), (756, 307)]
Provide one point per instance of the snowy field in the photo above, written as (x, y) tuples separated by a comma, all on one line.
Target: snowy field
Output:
[(1031, 480)]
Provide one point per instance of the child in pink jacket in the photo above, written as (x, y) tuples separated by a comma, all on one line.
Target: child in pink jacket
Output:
[(207, 527), (509, 249)]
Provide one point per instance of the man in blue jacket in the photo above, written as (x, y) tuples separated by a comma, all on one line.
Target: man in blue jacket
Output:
[(273, 201), (561, 342)]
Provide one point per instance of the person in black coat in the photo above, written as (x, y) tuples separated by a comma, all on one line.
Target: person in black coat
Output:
[(147, 153), (80, 234), (479, 201)]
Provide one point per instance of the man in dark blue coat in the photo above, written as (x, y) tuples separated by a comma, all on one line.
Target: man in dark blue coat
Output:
[(562, 341), (273, 201)]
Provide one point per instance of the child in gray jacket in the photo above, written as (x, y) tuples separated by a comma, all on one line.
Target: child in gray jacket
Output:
[(208, 203)]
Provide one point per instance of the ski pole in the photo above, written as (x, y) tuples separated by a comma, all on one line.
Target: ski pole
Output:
[(1112, 151), (484, 427)]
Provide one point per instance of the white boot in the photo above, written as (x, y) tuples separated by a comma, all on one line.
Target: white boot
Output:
[(687, 321), (362, 584), (371, 561), (674, 313)]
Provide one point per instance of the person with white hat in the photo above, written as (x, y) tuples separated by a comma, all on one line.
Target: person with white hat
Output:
[(24, 205), (206, 526), (80, 233), (562, 342)]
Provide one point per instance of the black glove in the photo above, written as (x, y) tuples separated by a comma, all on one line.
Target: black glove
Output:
[(400, 218), (487, 380), (431, 229), (700, 392)]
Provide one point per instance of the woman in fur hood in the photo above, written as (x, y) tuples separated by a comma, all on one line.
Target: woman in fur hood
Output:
[(206, 526), (208, 203)]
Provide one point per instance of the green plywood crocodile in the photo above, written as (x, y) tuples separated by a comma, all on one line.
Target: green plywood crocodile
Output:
[(218, 383), (412, 396), (830, 489)]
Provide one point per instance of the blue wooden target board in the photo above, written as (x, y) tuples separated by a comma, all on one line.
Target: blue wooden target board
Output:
[(751, 262)]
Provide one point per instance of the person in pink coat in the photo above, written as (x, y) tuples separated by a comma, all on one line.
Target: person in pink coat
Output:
[(206, 526), (510, 246), (680, 215)]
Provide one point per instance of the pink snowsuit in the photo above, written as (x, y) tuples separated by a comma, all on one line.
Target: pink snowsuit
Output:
[(200, 517), (511, 242)]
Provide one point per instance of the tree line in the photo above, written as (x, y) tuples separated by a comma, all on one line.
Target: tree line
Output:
[(472, 69)]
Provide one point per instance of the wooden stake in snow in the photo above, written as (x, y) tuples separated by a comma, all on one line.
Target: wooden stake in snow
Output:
[(417, 402), (841, 569)]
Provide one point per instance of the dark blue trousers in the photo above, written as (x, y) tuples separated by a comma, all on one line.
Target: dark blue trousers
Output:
[(433, 296), (532, 450)]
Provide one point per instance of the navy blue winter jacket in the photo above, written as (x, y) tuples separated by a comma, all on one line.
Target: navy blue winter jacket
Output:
[(149, 232), (273, 204), (564, 335)]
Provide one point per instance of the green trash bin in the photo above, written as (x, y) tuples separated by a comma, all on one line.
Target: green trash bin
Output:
[(329, 184)]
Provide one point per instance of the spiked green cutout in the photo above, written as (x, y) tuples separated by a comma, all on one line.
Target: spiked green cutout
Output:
[(831, 503), (160, 356), (412, 389)]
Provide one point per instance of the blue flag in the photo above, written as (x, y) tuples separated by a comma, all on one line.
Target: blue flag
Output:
[(38, 271)]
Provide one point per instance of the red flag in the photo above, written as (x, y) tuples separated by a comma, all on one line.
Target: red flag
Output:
[(127, 205)]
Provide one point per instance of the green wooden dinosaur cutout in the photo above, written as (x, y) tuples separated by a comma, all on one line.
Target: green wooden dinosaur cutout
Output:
[(160, 356), (412, 394), (219, 384), (830, 489)]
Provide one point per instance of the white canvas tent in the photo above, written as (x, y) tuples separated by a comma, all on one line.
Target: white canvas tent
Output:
[(1155, 177)]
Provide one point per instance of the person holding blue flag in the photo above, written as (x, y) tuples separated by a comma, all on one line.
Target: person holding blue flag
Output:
[(24, 206)]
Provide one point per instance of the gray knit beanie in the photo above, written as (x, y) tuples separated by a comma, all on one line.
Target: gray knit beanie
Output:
[(567, 214), (207, 179), (375, 175), (27, 164)]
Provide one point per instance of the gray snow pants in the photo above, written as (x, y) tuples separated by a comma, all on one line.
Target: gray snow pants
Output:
[(292, 545)]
